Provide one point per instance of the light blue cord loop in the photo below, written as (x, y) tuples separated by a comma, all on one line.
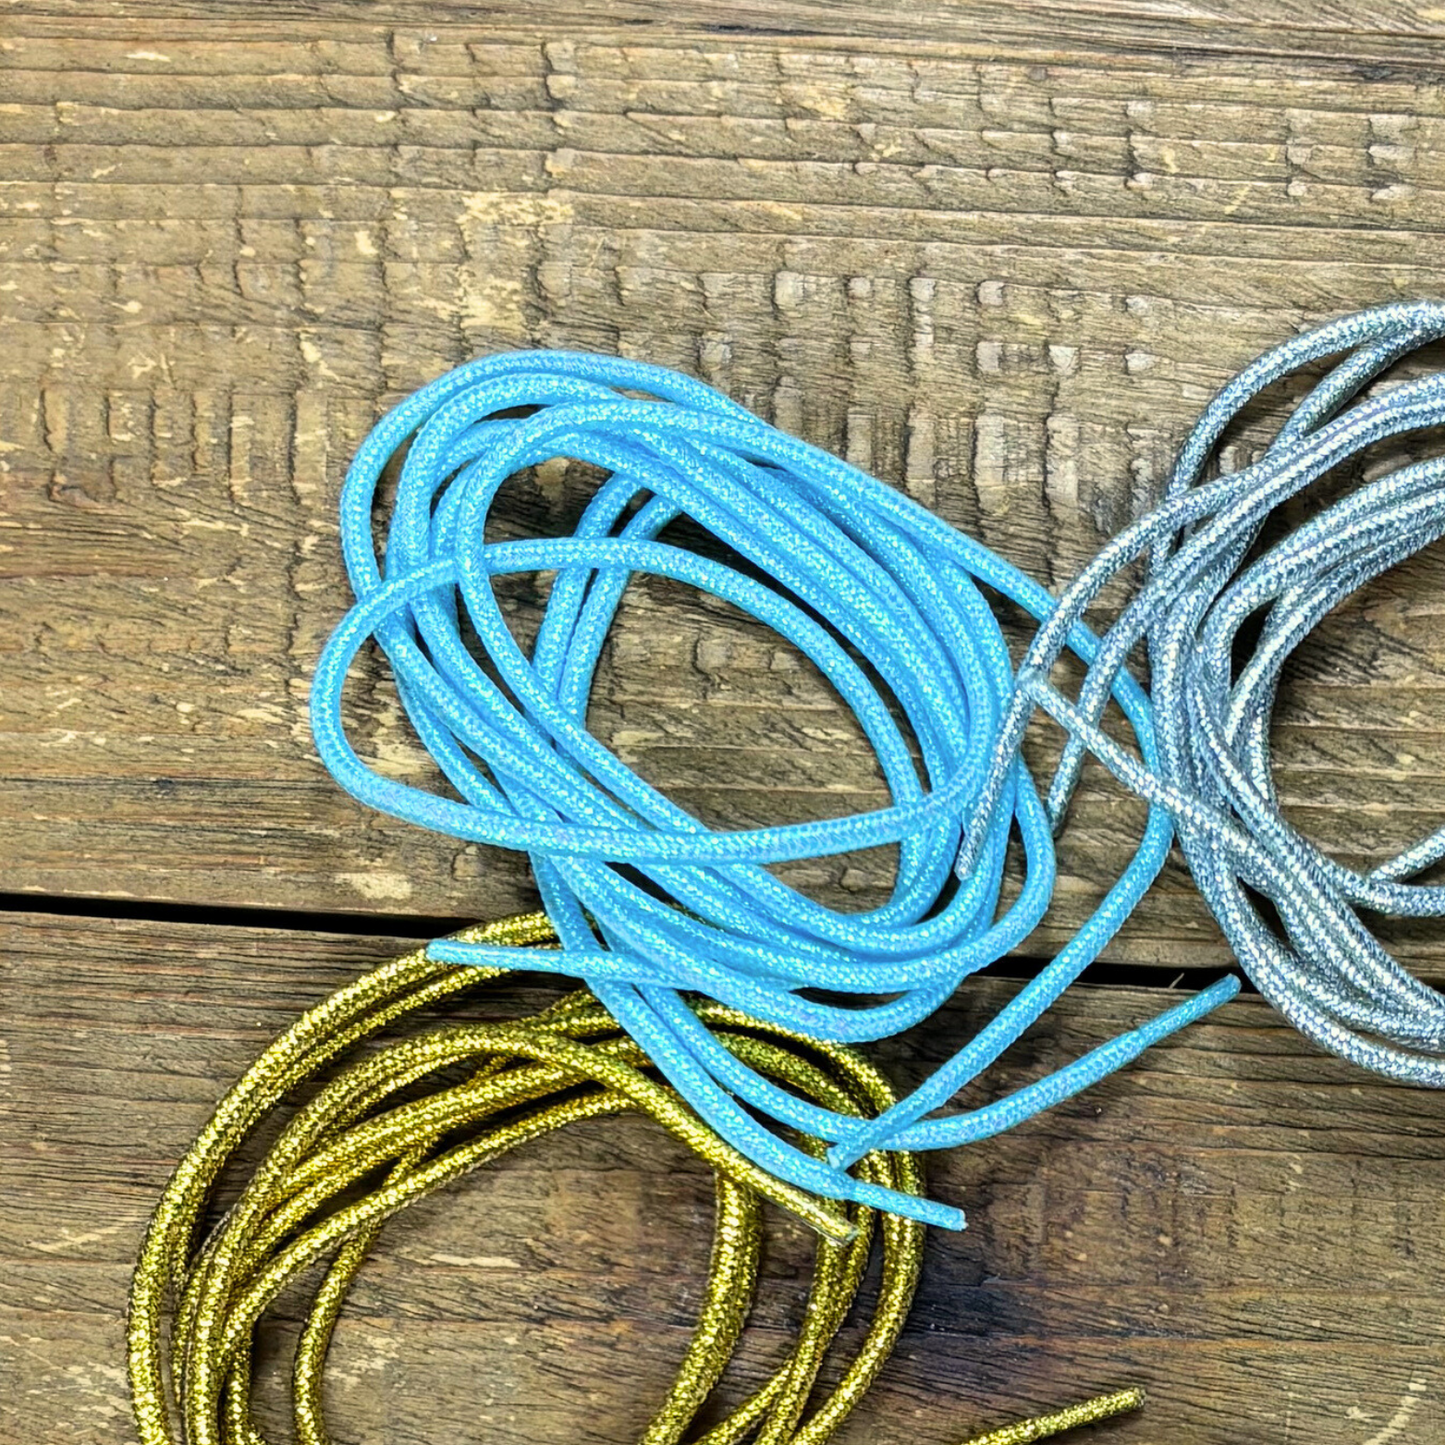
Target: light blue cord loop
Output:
[(1326, 972), (857, 566)]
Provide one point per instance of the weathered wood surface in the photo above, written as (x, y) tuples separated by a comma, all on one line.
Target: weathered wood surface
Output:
[(1000, 255), (1249, 1229)]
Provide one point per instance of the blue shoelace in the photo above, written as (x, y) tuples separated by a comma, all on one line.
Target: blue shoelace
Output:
[(854, 562)]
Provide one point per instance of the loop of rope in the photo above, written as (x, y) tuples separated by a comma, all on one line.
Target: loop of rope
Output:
[(650, 903), (397, 1126), (1319, 964)]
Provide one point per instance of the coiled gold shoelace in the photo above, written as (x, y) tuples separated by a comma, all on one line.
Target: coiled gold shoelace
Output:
[(367, 1145)]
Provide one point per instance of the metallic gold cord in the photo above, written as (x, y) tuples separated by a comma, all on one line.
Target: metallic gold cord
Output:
[(368, 1144), (1090, 1412)]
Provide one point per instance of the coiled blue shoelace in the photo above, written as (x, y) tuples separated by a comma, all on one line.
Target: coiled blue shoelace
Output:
[(852, 560)]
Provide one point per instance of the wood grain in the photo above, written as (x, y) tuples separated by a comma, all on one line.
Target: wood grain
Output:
[(1005, 283), (1000, 255), (1240, 1224)]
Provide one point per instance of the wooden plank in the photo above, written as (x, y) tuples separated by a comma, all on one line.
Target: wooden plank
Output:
[(1188, 31), (1240, 1224), (1005, 282)]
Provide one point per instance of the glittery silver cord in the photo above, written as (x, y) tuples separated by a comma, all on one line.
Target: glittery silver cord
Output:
[(1321, 966)]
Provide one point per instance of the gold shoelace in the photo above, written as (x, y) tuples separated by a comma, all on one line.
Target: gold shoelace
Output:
[(367, 1146)]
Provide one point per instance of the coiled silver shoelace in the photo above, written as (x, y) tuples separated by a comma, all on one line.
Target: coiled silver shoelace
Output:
[(1319, 964)]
